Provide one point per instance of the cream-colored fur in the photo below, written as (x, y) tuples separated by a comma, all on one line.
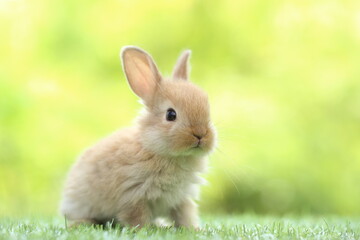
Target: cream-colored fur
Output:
[(152, 169)]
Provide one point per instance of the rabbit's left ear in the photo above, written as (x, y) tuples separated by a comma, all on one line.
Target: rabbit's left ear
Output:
[(182, 67), (141, 72)]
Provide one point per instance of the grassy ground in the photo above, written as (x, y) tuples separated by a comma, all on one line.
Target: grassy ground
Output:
[(229, 227)]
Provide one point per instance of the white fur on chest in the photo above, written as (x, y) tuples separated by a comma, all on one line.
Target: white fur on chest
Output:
[(167, 190), (169, 186), (164, 185)]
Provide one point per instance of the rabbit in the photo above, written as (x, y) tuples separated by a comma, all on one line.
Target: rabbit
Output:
[(149, 170)]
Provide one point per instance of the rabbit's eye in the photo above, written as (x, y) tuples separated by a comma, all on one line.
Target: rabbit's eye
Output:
[(170, 114)]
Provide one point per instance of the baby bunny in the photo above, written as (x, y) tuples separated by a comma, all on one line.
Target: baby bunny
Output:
[(151, 169)]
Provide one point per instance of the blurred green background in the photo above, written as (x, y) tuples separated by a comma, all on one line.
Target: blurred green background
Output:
[(283, 79)]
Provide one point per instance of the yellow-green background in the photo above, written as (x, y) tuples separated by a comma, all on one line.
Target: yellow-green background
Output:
[(283, 79)]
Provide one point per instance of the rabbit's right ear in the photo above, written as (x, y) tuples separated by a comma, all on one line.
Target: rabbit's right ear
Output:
[(141, 71)]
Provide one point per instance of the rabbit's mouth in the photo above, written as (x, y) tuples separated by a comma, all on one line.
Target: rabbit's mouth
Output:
[(194, 147), (199, 144)]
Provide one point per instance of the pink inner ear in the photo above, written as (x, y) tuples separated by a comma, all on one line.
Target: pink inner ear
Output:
[(139, 74)]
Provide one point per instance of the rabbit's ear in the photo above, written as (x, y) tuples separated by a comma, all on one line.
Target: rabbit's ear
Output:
[(141, 71), (182, 67)]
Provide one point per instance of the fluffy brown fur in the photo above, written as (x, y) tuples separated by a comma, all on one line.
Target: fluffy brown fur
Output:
[(152, 169)]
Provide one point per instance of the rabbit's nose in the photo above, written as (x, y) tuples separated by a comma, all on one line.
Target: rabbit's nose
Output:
[(199, 132), (197, 136)]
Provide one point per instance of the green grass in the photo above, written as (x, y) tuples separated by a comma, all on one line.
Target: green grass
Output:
[(224, 227)]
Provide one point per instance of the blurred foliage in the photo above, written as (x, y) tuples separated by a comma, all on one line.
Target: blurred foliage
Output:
[(283, 78)]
